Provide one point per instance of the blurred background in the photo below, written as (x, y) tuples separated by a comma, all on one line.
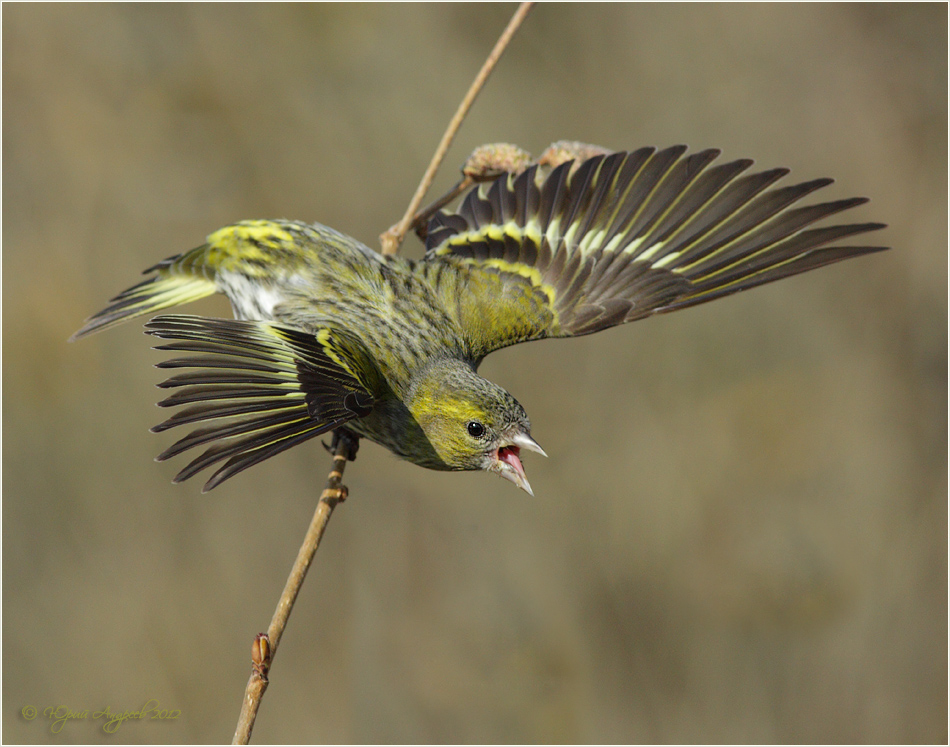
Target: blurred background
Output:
[(741, 533)]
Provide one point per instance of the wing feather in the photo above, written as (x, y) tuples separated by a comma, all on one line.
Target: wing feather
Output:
[(258, 387), (624, 236)]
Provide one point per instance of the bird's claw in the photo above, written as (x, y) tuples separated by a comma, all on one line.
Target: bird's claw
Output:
[(352, 443)]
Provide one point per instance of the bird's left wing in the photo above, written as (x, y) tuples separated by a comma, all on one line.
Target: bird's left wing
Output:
[(620, 237), (262, 387)]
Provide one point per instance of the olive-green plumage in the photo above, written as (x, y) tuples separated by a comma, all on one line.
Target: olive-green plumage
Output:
[(330, 333)]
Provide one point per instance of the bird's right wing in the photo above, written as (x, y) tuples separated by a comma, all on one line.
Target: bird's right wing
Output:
[(262, 387), (620, 237)]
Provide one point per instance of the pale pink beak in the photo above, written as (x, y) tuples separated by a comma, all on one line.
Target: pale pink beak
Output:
[(508, 463)]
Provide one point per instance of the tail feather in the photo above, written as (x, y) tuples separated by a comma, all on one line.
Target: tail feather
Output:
[(160, 292), (257, 250)]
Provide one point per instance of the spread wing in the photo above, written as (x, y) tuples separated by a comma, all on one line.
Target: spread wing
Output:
[(261, 387), (624, 236)]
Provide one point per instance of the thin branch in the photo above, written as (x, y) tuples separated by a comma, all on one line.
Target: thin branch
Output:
[(393, 237), (265, 647), (419, 222)]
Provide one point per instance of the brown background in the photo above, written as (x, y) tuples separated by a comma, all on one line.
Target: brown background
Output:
[(741, 532)]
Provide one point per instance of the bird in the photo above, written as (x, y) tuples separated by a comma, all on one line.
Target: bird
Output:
[(329, 335)]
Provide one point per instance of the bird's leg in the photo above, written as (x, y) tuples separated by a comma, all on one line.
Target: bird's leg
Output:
[(343, 448), (352, 442)]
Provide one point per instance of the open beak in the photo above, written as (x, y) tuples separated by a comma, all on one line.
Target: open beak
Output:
[(508, 460)]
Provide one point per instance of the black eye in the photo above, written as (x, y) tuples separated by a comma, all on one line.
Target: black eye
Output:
[(476, 429)]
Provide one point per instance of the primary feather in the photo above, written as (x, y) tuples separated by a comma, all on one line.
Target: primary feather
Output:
[(633, 234)]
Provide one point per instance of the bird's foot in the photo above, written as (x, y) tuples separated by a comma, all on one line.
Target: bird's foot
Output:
[(352, 442)]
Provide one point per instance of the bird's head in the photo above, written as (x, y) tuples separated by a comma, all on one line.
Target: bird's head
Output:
[(471, 423)]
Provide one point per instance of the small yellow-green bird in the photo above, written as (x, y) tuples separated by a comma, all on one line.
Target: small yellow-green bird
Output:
[(330, 334)]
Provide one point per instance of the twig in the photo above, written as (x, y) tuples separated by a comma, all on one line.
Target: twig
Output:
[(393, 237), (265, 647)]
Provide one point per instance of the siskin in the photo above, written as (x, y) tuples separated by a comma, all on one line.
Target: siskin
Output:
[(329, 333)]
